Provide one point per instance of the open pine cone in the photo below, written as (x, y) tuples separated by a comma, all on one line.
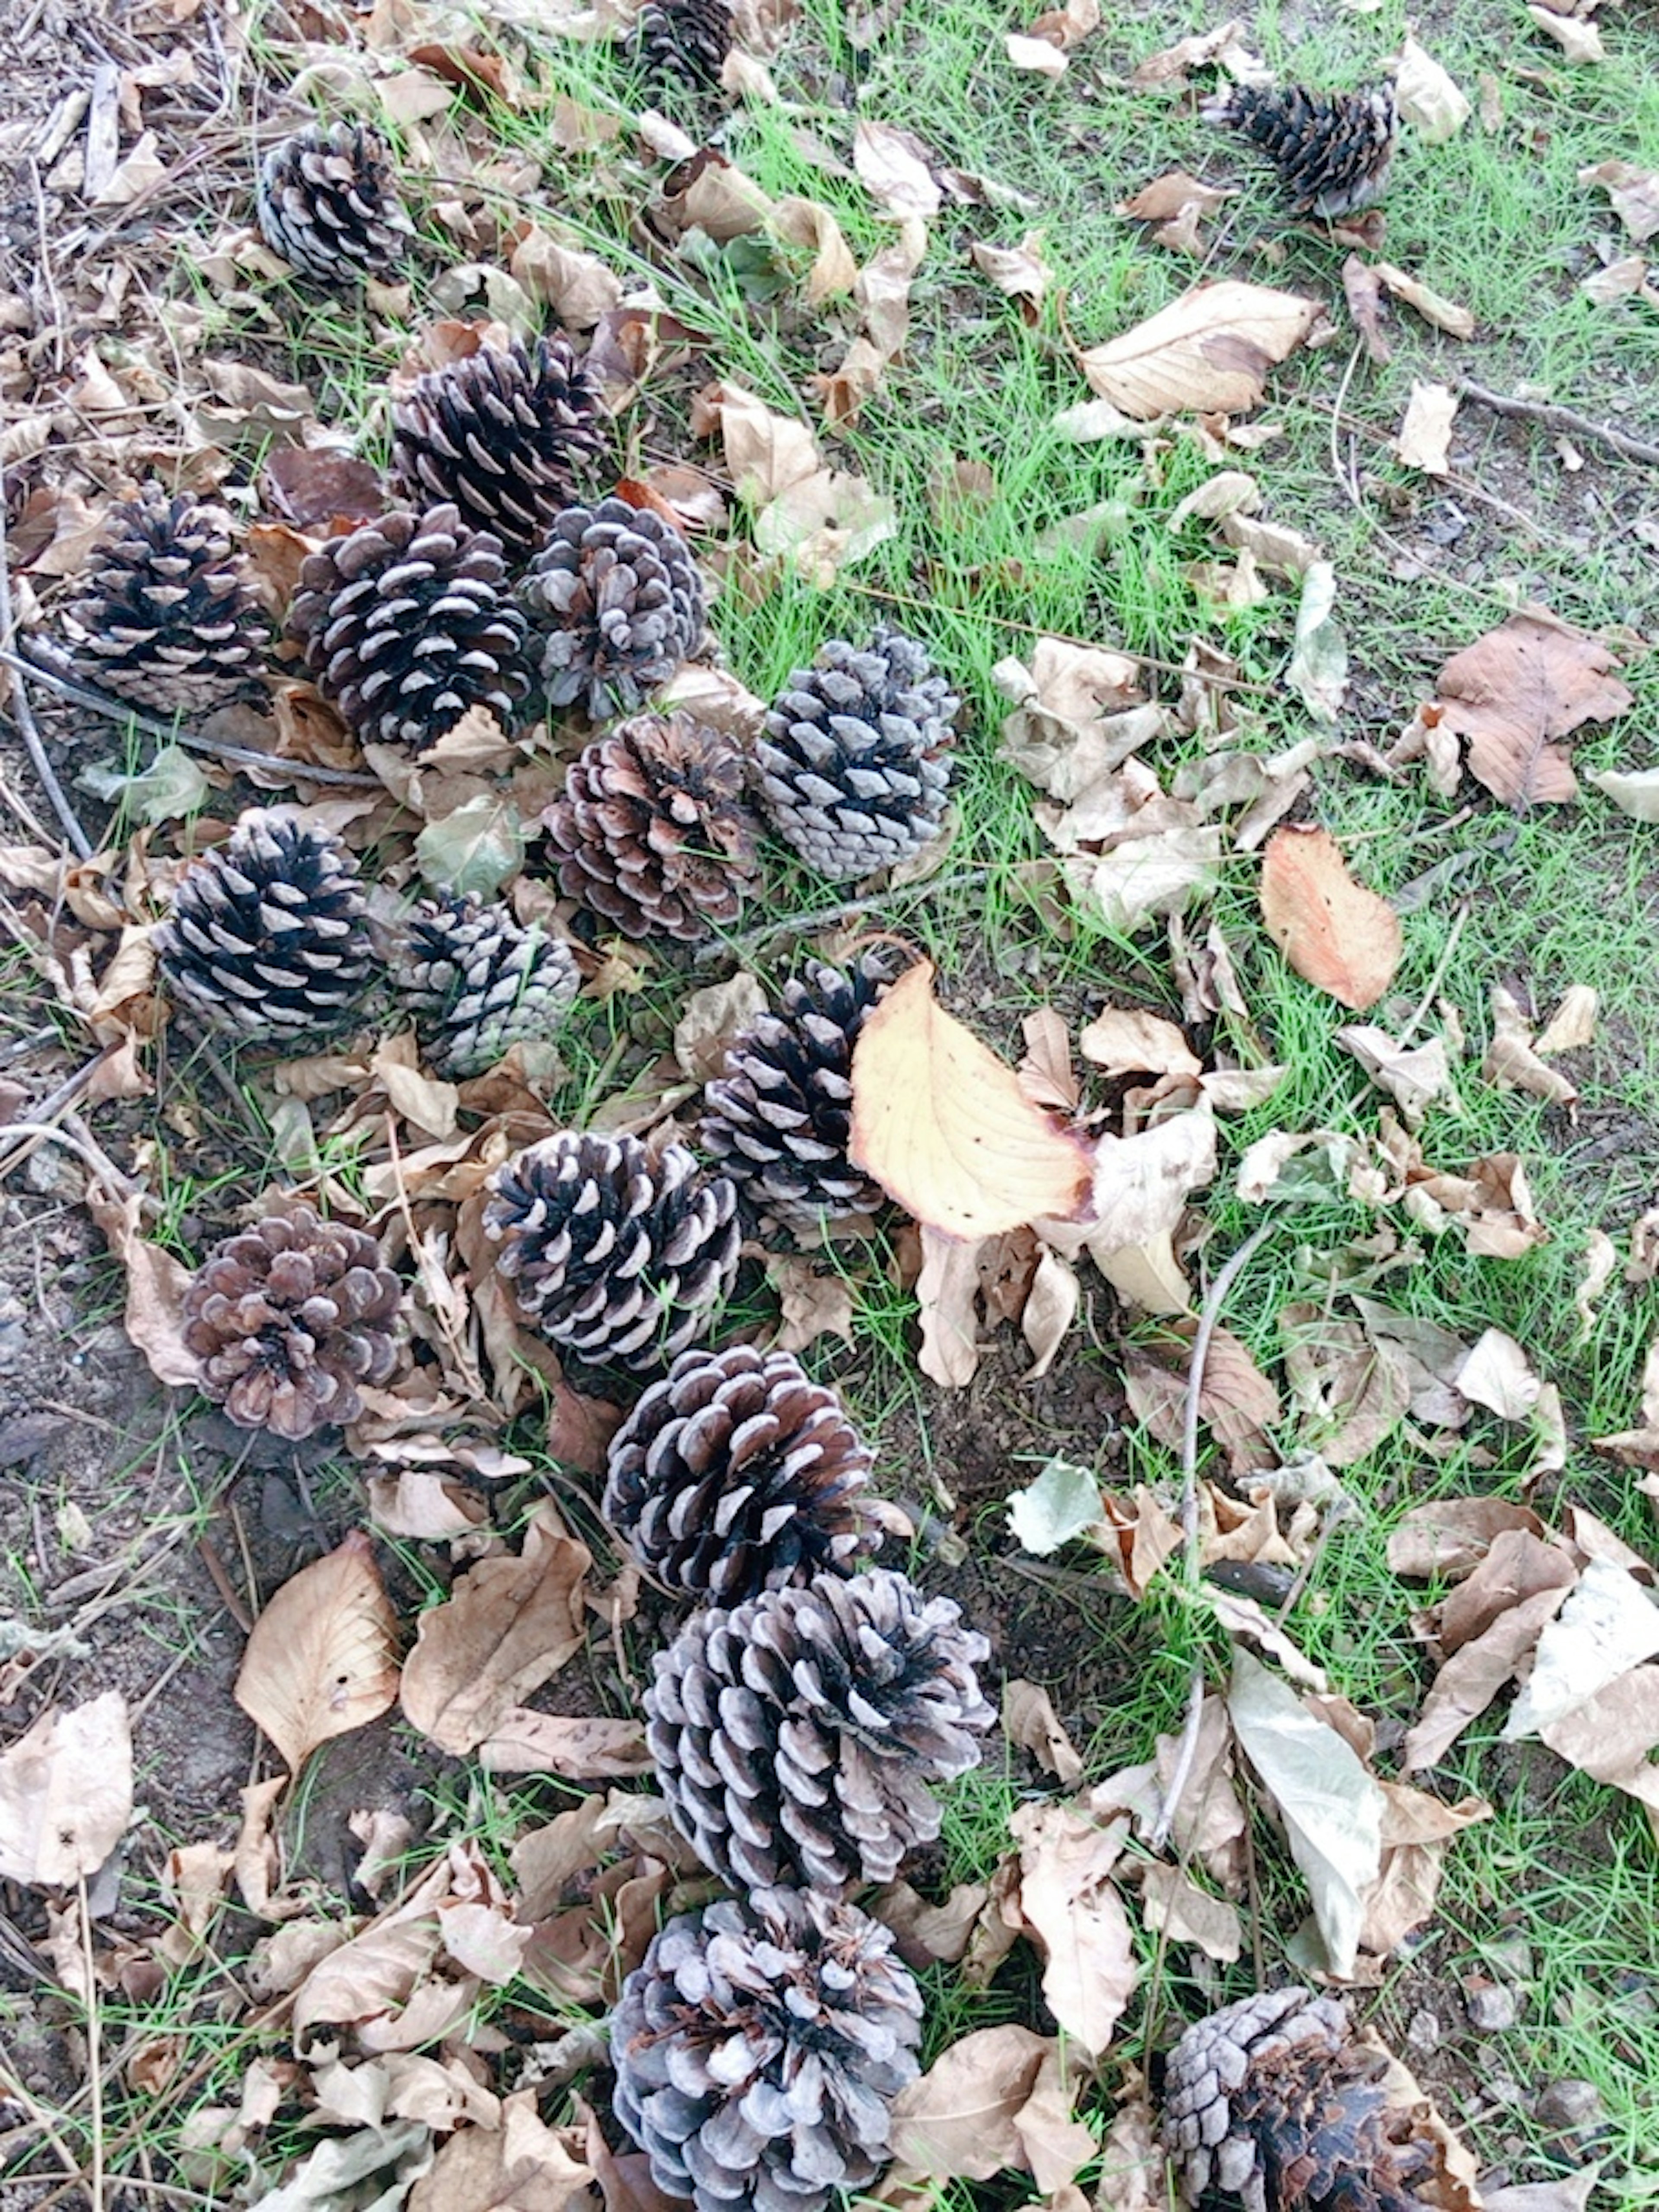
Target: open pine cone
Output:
[(478, 982), (759, 2051), (1272, 2103), (328, 204), (684, 41), (407, 623), (737, 1474), (501, 436), (268, 936), (617, 1258), (778, 1119), (651, 832), (796, 1735), (1332, 151), (288, 1318), (166, 616), (614, 605), (853, 766)]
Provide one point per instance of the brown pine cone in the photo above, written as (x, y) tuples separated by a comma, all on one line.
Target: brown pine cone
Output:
[(652, 833), (288, 1318), (1332, 151), (328, 203)]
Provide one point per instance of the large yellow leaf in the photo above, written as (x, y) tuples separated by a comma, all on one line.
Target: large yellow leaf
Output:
[(942, 1126), (322, 1659), (1212, 348), (1336, 934)]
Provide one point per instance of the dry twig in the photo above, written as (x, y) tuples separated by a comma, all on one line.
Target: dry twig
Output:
[(1567, 420), (28, 728)]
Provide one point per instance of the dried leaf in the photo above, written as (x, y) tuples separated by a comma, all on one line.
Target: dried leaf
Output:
[(66, 1793), (156, 1284), (1517, 688), (1020, 270), (1414, 1076), (524, 2166), (942, 1125), (1428, 97), (1029, 1719), (1059, 1505), (1331, 1806), (1187, 1914), (1425, 440), (947, 1297), (1210, 351), (1633, 192), (1498, 1373), (893, 168), (1050, 1308), (1608, 1626), (475, 848), (1578, 37), (1512, 1061), (1124, 1040), (1448, 1538), (581, 1750), (960, 2120), (511, 1623), (1445, 314), (1336, 934), (1318, 671), (1067, 1899), (322, 1659)]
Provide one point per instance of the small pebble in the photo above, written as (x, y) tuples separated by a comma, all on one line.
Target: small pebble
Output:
[(1505, 2089), (1571, 2105), (1491, 2006), (1423, 2034), (1511, 1957)]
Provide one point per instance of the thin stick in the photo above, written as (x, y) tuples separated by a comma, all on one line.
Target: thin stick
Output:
[(28, 728), (122, 710), (1420, 1012), (1187, 1751), (58, 1102), (822, 917), (1567, 420), (95, 2056), (92, 1157)]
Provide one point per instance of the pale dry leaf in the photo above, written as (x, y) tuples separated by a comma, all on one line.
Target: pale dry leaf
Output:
[(1577, 36), (1020, 270), (807, 224), (892, 164), (66, 1793), (1069, 25), (1428, 97), (1512, 1061), (1445, 314), (1050, 1308), (1497, 1373), (947, 1299), (1634, 193), (1517, 689), (711, 1021), (156, 1284), (958, 2122), (1029, 1720), (1425, 440), (1332, 1809), (523, 2165), (1572, 1025), (942, 1125), (1209, 352), (1474, 1674), (1634, 792), (1608, 1626), (588, 1749), (1079, 713), (1611, 1736), (1067, 1855), (1448, 1538), (1337, 935), (1127, 1040), (1037, 54), (373, 2166), (1174, 1903), (1414, 1076), (424, 1506), (510, 1623), (1056, 1507), (930, 1932), (1318, 670), (322, 1659)]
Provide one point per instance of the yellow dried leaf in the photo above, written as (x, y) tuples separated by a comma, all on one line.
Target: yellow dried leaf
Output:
[(1336, 934), (942, 1126), (322, 1658)]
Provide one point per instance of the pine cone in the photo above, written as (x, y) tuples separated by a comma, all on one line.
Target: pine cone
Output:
[(759, 2051), (684, 41), (407, 623), (652, 832), (615, 604), (853, 767), (500, 435), (1271, 2102), (288, 1318), (327, 203), (268, 935), (737, 1474), (1332, 151), (167, 615), (778, 1119), (617, 1259), (795, 1735), (478, 982)]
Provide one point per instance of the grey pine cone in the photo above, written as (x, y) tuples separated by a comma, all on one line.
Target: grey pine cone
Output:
[(1272, 2103), (407, 624), (797, 1735), (501, 436), (758, 2050), (1332, 151), (778, 1119), (289, 1318), (614, 605), (166, 616), (853, 766), (268, 935), (737, 1473), (684, 41), (478, 982), (617, 1259), (651, 832), (328, 203)]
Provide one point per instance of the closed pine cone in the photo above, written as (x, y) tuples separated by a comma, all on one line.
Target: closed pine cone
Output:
[(478, 982), (329, 206), (166, 616), (289, 1318), (1272, 2103), (652, 833), (407, 624), (780, 1118), (501, 436), (1332, 151), (617, 1258), (797, 1735), (737, 1473), (684, 41), (759, 2051)]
